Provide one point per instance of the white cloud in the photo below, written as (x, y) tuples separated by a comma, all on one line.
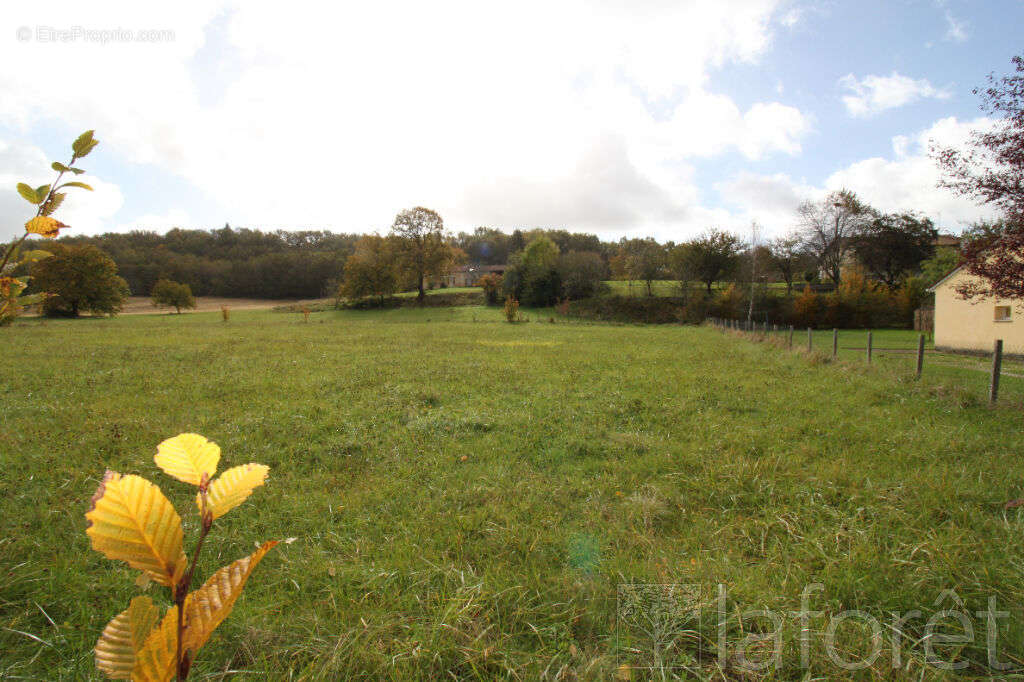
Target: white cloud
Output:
[(873, 94), (86, 212), (907, 182), (910, 181), (956, 31), (342, 114)]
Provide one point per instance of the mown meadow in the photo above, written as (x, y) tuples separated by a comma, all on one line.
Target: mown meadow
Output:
[(466, 496)]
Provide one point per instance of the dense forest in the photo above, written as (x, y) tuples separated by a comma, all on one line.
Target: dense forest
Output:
[(231, 262), (245, 263)]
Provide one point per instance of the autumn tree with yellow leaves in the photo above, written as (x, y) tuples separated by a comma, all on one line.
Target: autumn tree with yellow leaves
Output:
[(131, 520)]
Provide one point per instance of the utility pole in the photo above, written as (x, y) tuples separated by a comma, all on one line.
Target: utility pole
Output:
[(755, 238)]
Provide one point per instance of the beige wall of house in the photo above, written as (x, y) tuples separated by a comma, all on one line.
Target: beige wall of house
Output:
[(977, 323)]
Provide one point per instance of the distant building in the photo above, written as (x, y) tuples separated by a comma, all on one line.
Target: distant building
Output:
[(468, 275), (975, 324)]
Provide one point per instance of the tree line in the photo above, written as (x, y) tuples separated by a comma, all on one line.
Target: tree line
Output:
[(543, 266)]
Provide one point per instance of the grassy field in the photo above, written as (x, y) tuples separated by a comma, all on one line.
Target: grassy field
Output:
[(895, 350), (468, 497)]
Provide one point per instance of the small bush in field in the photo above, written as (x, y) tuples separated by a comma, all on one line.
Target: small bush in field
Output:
[(225, 313), (512, 310), (491, 284)]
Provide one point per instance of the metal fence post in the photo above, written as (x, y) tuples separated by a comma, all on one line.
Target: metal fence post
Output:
[(920, 355), (791, 337), (809, 340), (869, 347), (835, 343), (997, 364)]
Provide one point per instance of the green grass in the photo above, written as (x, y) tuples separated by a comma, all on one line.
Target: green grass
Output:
[(895, 350), (466, 495)]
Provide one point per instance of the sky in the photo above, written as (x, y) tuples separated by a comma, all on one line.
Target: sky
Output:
[(618, 117)]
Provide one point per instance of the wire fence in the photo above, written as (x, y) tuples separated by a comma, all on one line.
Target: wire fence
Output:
[(975, 377)]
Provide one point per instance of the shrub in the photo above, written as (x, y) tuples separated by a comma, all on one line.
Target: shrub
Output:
[(512, 310), (491, 283), (805, 308), (643, 309), (172, 294), (730, 302)]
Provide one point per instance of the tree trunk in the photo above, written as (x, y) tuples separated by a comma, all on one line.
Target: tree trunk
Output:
[(423, 294), (708, 285)]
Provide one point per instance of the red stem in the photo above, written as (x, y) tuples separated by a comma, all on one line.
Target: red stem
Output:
[(183, 587)]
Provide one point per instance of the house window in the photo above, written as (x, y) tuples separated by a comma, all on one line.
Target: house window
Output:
[(1003, 313)]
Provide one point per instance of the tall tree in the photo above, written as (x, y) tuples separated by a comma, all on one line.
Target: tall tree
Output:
[(711, 257), (892, 245), (371, 269), (582, 273), (81, 279), (941, 263), (991, 171), (534, 277), (828, 227), (174, 294), (787, 257), (645, 260), (422, 248)]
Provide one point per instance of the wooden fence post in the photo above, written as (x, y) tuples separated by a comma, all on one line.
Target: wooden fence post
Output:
[(997, 364), (810, 340), (920, 355), (835, 343), (869, 347), (791, 337)]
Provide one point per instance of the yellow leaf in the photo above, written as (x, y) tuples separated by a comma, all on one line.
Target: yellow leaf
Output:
[(208, 606), (187, 457), (156, 661), (131, 520), (44, 225), (124, 637), (233, 487)]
